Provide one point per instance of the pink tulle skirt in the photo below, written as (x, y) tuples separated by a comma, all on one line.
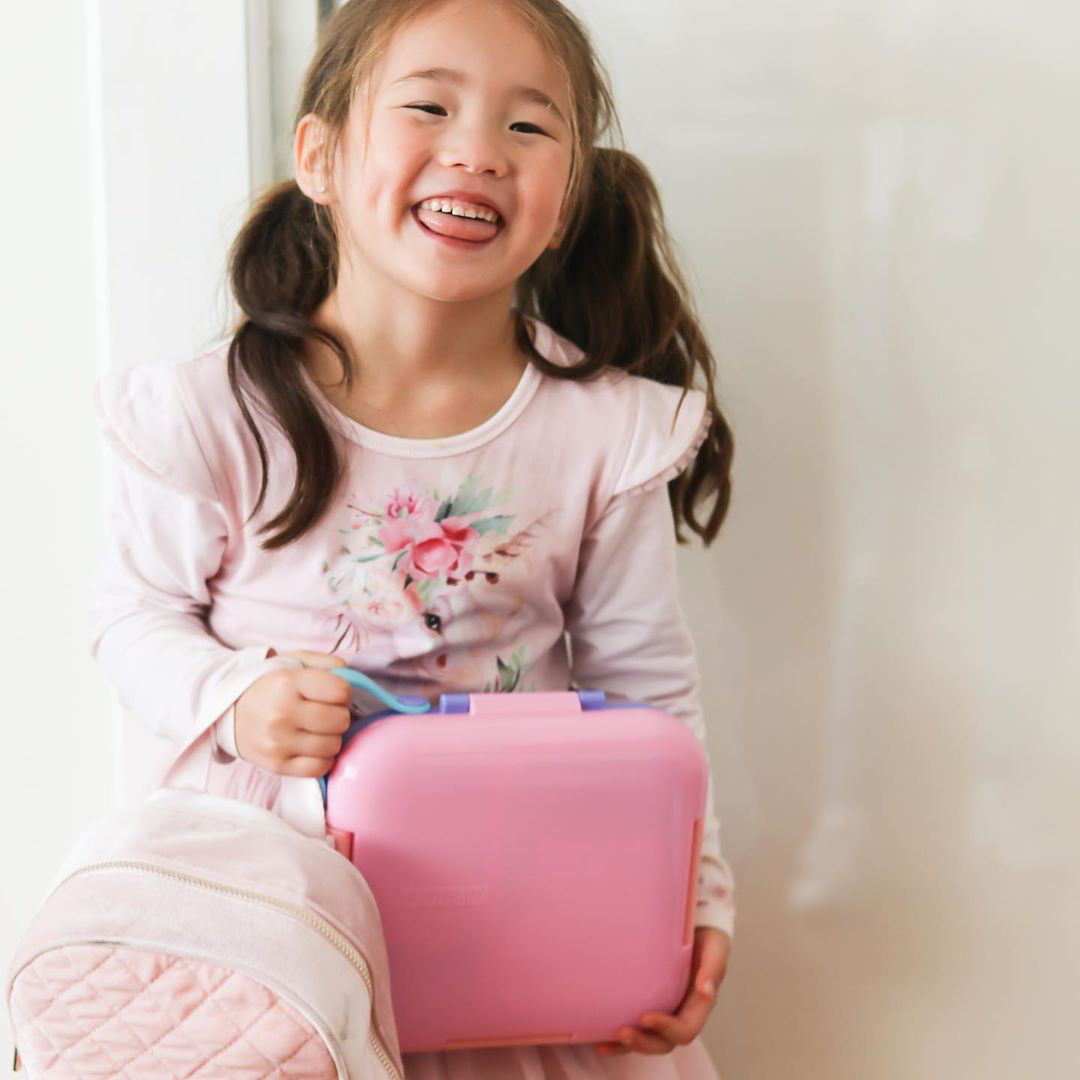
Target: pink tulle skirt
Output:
[(574, 1062)]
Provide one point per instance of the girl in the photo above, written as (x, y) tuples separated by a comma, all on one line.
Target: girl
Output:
[(447, 443)]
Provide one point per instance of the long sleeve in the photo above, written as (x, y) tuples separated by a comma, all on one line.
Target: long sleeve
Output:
[(628, 637), (150, 596)]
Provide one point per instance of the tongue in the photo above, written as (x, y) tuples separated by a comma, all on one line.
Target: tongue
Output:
[(461, 228)]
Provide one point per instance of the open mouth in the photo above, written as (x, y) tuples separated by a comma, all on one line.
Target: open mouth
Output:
[(456, 228)]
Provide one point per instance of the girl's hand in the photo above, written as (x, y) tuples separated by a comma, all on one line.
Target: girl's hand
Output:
[(291, 721), (663, 1032)]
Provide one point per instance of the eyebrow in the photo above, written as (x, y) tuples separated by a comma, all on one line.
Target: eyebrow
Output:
[(525, 93)]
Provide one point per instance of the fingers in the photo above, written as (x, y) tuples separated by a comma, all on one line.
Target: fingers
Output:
[(660, 1033), (634, 1040), (305, 766), (319, 719), (712, 950), (291, 721), (709, 963), (321, 686), (304, 744), (284, 739), (685, 1026)]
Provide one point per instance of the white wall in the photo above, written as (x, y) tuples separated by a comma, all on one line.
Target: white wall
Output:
[(878, 200), (56, 763), (127, 171), (876, 204)]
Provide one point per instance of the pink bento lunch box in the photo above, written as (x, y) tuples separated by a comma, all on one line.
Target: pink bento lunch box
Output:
[(534, 861)]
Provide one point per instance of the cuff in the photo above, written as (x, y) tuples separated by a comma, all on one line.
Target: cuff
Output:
[(717, 917), (715, 904), (224, 735)]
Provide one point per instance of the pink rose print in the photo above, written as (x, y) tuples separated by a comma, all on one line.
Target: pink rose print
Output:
[(423, 584), (426, 542), (407, 517), (449, 553), (403, 503), (431, 547)]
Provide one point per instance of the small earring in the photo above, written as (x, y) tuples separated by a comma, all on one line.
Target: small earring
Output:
[(320, 190)]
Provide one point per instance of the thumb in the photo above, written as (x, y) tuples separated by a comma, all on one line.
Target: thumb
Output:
[(315, 659)]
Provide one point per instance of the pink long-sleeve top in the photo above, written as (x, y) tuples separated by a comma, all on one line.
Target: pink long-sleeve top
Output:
[(444, 565)]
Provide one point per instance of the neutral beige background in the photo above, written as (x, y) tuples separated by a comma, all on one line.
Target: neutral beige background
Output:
[(876, 203)]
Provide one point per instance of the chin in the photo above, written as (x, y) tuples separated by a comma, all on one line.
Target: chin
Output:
[(459, 293)]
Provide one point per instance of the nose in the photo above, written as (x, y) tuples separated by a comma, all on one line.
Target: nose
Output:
[(476, 149)]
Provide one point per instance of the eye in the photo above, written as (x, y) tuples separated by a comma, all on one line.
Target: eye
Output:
[(432, 621), (438, 110)]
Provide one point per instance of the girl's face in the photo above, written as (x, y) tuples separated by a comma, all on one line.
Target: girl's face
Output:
[(475, 130)]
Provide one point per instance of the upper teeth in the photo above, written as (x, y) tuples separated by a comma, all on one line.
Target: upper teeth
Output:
[(458, 210)]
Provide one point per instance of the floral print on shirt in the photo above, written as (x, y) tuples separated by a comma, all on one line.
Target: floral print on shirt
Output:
[(428, 585)]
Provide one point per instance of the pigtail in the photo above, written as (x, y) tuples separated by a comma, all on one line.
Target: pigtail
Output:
[(281, 267), (614, 288)]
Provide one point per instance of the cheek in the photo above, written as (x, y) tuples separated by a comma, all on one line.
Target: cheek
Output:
[(553, 179), (399, 144), (396, 158)]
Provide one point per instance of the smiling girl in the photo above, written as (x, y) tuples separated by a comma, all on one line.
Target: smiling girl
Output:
[(450, 442)]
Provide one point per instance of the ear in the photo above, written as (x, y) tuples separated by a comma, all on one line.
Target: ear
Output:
[(308, 159)]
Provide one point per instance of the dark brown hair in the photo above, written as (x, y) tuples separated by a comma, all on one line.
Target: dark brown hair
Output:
[(612, 287)]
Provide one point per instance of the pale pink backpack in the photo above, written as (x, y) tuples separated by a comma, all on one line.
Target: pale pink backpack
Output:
[(199, 936)]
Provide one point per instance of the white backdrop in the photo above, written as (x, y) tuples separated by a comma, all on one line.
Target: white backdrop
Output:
[(876, 203)]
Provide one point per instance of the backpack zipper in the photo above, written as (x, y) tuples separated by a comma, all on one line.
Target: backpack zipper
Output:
[(320, 925)]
